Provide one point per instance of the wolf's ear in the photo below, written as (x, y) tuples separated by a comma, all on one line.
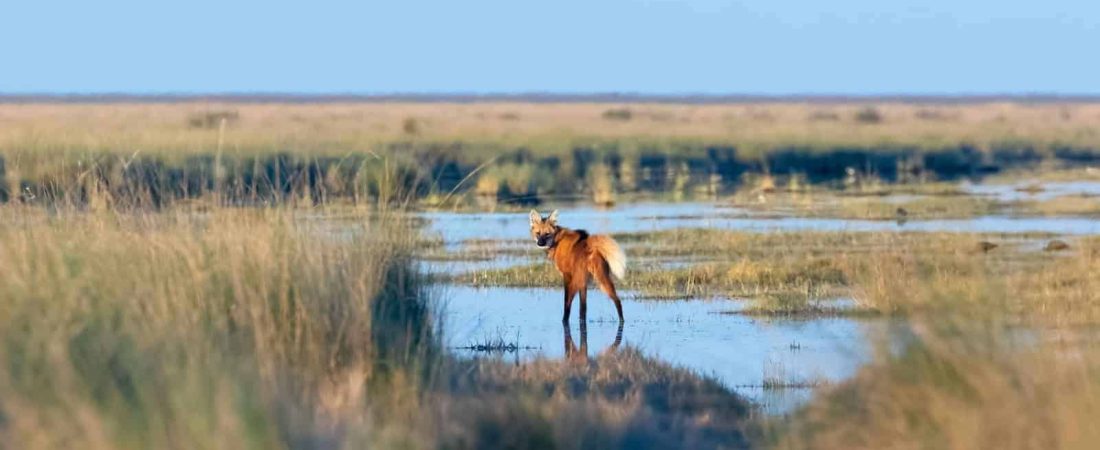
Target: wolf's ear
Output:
[(536, 218), (553, 219)]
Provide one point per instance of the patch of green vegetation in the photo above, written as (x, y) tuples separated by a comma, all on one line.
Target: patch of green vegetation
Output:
[(526, 275), (776, 378), (793, 305), (737, 279), (740, 279)]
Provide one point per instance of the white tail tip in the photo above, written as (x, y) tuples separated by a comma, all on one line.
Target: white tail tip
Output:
[(616, 261)]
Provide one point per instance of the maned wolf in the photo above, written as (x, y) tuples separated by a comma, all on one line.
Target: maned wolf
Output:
[(577, 255)]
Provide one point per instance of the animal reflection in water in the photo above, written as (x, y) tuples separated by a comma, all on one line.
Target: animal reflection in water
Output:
[(580, 354)]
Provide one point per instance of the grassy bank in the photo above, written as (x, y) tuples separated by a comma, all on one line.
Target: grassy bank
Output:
[(616, 398)]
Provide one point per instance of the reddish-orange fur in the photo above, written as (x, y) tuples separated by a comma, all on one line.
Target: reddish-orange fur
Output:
[(577, 255)]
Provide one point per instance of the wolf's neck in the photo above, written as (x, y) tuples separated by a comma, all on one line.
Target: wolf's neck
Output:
[(559, 234), (564, 234)]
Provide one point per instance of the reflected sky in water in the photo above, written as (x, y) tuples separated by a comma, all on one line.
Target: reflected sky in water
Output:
[(647, 217), (739, 351)]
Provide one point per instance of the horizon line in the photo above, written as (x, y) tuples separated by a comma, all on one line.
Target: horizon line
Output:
[(534, 97)]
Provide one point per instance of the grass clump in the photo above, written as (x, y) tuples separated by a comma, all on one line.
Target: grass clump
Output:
[(868, 114), (212, 119), (618, 399), (411, 126), (796, 305), (620, 114)]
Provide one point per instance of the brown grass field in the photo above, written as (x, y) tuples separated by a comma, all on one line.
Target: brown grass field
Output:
[(338, 128)]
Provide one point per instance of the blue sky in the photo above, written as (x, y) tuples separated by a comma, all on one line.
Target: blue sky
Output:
[(566, 46)]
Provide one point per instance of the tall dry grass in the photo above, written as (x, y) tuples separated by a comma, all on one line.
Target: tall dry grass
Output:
[(229, 329), (959, 386), (993, 354)]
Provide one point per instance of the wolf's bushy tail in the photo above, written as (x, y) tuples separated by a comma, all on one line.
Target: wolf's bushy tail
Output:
[(610, 251)]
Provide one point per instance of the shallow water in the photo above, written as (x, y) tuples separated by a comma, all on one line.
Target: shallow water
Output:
[(455, 228), (739, 351)]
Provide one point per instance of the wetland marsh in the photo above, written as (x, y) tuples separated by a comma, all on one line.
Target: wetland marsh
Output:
[(172, 276)]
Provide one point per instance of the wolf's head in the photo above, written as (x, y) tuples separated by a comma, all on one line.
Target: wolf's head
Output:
[(544, 230)]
